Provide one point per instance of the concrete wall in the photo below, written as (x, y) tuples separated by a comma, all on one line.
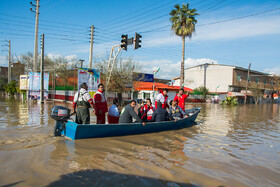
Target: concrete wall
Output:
[(209, 75)]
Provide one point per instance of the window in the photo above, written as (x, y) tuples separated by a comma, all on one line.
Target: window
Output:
[(238, 77), (146, 95), (257, 80), (249, 80)]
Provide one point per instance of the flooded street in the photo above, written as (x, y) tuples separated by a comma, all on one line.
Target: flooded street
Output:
[(229, 146)]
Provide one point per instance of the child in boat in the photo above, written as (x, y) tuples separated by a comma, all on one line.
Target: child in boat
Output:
[(176, 111), (160, 114)]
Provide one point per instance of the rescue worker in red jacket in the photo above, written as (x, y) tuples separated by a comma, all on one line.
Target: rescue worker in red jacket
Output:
[(180, 98), (147, 110), (162, 97), (100, 104)]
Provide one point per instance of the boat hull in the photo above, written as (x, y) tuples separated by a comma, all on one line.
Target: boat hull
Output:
[(78, 131)]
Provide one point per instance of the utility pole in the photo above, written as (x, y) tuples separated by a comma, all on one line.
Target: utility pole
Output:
[(91, 44), (81, 61), (42, 69), (248, 76), (10, 63), (36, 34)]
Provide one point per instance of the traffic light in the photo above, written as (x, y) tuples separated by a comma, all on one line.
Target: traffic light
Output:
[(137, 41), (124, 42)]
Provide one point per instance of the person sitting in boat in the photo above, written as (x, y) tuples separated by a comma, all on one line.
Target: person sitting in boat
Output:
[(82, 100), (162, 97), (176, 111), (141, 109), (160, 114), (128, 113), (113, 113), (147, 110), (100, 104)]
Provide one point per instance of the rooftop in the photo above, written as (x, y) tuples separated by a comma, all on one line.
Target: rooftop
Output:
[(158, 86)]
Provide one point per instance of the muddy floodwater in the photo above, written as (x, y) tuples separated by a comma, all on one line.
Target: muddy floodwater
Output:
[(228, 146)]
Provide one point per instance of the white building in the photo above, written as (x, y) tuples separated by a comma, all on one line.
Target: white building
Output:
[(222, 79)]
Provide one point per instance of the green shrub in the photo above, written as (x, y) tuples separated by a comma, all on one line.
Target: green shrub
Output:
[(230, 101), (11, 88)]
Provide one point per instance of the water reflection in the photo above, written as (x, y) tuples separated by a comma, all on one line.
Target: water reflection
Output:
[(23, 112)]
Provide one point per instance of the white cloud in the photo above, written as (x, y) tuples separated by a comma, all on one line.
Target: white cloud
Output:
[(275, 70), (250, 27), (71, 57), (3, 61), (169, 69), (53, 56), (243, 28), (190, 62), (68, 57)]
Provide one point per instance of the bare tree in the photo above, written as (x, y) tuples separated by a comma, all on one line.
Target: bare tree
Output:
[(276, 82), (122, 75), (257, 93)]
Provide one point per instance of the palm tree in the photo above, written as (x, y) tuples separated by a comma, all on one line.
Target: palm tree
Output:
[(183, 24)]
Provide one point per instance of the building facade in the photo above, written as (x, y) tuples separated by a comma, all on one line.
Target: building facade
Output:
[(223, 79)]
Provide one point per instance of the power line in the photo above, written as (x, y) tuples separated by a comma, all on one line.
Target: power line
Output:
[(44, 25), (215, 5), (55, 22), (241, 17), (53, 6), (212, 23), (131, 16)]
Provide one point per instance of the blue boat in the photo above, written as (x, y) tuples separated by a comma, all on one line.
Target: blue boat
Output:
[(75, 131)]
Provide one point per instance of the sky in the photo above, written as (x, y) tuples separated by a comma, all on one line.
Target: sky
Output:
[(231, 32)]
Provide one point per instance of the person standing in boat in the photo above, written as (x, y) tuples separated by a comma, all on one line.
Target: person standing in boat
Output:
[(147, 110), (82, 101), (113, 113), (181, 98), (100, 104), (162, 97), (128, 114)]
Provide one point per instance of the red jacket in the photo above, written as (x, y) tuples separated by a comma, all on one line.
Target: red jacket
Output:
[(146, 113), (181, 100), (100, 102), (163, 99)]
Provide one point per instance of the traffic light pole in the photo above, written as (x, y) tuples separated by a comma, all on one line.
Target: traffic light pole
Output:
[(125, 41), (112, 59)]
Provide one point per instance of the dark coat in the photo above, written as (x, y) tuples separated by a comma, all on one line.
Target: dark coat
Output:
[(127, 114), (160, 114)]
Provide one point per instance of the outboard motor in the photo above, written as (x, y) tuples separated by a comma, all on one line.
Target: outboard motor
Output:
[(60, 114)]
